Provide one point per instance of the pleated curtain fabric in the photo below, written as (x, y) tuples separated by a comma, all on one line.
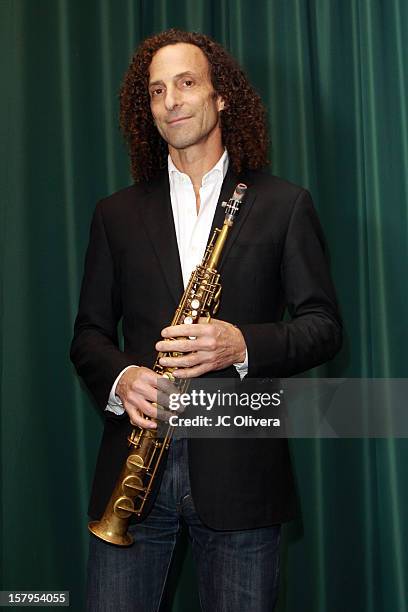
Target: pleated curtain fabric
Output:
[(334, 78)]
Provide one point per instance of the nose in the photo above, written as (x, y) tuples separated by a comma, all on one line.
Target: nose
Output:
[(172, 98)]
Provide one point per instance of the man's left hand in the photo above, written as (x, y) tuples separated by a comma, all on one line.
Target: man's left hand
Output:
[(217, 345)]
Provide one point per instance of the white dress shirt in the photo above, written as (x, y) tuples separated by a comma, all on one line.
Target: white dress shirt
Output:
[(192, 232)]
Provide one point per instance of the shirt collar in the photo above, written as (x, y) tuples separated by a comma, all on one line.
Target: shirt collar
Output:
[(220, 168)]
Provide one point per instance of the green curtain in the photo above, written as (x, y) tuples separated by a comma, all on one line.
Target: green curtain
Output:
[(334, 77)]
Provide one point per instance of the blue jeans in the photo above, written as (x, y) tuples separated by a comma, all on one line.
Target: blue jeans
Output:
[(237, 570)]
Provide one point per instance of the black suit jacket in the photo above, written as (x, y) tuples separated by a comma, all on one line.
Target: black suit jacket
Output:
[(274, 258)]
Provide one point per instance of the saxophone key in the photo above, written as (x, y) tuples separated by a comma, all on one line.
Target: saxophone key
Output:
[(123, 507), (132, 485), (135, 463)]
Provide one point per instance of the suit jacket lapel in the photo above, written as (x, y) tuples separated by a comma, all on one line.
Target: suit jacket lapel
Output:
[(158, 219), (228, 186)]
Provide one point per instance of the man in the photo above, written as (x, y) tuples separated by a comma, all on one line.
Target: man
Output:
[(195, 128)]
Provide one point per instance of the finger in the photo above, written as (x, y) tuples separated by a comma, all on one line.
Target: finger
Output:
[(165, 386), (143, 393), (143, 378), (148, 409), (189, 360), (152, 379), (176, 406), (175, 331), (163, 415), (184, 345), (149, 388), (139, 419), (142, 406), (192, 372), (184, 361), (163, 397)]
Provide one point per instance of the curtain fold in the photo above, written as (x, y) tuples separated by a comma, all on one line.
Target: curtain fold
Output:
[(333, 76)]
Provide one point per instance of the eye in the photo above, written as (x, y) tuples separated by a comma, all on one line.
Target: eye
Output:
[(188, 82), (156, 92)]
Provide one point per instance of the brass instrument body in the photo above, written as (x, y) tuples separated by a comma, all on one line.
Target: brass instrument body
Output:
[(146, 451), (132, 488)]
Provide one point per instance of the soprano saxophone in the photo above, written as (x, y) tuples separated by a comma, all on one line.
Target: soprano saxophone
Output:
[(146, 450)]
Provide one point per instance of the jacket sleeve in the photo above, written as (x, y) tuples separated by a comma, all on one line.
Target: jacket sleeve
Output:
[(95, 348), (314, 333)]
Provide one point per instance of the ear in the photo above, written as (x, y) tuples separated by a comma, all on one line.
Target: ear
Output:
[(220, 104)]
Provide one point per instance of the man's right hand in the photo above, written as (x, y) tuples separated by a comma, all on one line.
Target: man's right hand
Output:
[(138, 388)]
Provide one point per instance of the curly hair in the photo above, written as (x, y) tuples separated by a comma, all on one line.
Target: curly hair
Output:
[(243, 120)]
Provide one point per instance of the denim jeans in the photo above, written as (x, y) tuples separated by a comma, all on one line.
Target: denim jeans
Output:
[(237, 570)]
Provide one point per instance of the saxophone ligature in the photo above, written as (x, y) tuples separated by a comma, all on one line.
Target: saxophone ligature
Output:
[(146, 449)]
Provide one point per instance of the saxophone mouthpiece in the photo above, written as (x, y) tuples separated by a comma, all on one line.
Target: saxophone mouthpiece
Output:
[(232, 206), (240, 190)]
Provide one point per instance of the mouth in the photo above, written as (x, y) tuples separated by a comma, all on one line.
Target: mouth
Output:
[(178, 120)]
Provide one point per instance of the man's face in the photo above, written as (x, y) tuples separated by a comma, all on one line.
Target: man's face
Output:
[(182, 99)]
